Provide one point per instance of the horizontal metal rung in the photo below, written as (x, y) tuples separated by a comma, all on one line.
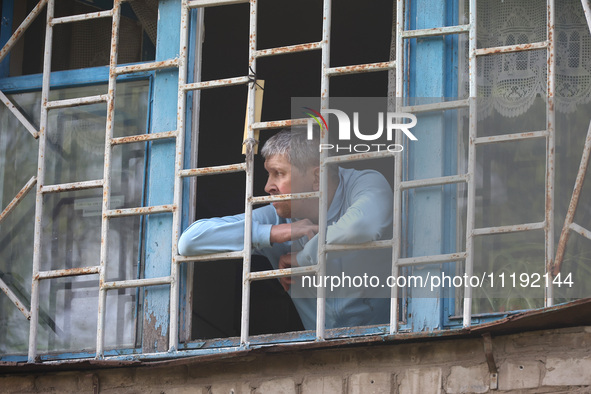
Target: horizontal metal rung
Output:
[(124, 284), (210, 257), (438, 31), (215, 170), (68, 272), (278, 124), (367, 245), (511, 48), (217, 83), (444, 180), (434, 259), (102, 98), (509, 229), (261, 275), (283, 197), (511, 137), (162, 65), (360, 156), (139, 211), (580, 230), (213, 3), (144, 137), (82, 17), (68, 187), (361, 68), (288, 49), (442, 106)]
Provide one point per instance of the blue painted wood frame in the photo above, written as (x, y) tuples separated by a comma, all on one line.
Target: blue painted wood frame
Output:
[(160, 182), (426, 80)]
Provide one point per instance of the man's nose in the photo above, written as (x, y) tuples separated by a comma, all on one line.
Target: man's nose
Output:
[(270, 186)]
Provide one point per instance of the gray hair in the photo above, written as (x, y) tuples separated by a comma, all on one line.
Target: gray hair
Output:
[(301, 152)]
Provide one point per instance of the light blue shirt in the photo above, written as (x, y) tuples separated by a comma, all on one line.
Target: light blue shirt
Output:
[(361, 211)]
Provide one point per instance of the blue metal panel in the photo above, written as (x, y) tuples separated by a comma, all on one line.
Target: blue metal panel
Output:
[(426, 205), (161, 180), (5, 33)]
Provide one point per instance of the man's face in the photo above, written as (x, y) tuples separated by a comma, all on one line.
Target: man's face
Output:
[(282, 180)]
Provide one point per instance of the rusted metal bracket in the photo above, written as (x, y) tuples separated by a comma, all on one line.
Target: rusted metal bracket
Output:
[(490, 360)]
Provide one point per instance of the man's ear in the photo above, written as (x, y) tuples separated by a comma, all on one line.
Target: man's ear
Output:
[(316, 184)]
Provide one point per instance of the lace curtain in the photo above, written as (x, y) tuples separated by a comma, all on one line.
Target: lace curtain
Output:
[(512, 81)]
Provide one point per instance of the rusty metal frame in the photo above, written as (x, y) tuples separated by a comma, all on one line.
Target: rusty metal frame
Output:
[(247, 166)]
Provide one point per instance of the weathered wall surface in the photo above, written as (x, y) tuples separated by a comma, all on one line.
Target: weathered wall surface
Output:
[(533, 362)]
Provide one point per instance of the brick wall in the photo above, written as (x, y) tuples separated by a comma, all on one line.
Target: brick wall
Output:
[(532, 362)]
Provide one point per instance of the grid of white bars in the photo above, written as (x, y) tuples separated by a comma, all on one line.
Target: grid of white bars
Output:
[(247, 167)]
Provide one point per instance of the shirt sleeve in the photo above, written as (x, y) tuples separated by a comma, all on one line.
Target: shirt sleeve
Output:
[(226, 234), (368, 218)]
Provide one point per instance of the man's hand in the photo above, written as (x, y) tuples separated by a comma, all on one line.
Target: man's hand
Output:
[(287, 261), (291, 231)]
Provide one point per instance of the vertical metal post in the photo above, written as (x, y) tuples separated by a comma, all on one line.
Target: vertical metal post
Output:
[(100, 333), (245, 319), (397, 210), (472, 67), (550, 148), (323, 201), (178, 181), (40, 182)]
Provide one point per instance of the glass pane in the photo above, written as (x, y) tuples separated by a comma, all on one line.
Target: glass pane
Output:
[(71, 222)]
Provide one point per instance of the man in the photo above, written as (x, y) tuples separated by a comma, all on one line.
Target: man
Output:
[(360, 210)]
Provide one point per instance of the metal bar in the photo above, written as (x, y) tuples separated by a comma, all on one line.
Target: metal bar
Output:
[(438, 31), (361, 68), (21, 307), (125, 284), (144, 137), (581, 230), (574, 202), (509, 229), (441, 106), (102, 98), (68, 272), (210, 257), (213, 3), (445, 180), (216, 83), (512, 48), (109, 213), (178, 181), (249, 159), (68, 187), (32, 353), (21, 29), (283, 197), (135, 68), (550, 146), (397, 200), (278, 124), (82, 17), (359, 156), (433, 259), (18, 198), (102, 301), (282, 273), (511, 137), (323, 200), (587, 11), (203, 171), (21, 118), (471, 203), (384, 244), (288, 49)]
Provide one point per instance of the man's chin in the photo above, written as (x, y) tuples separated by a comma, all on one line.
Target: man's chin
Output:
[(282, 211)]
